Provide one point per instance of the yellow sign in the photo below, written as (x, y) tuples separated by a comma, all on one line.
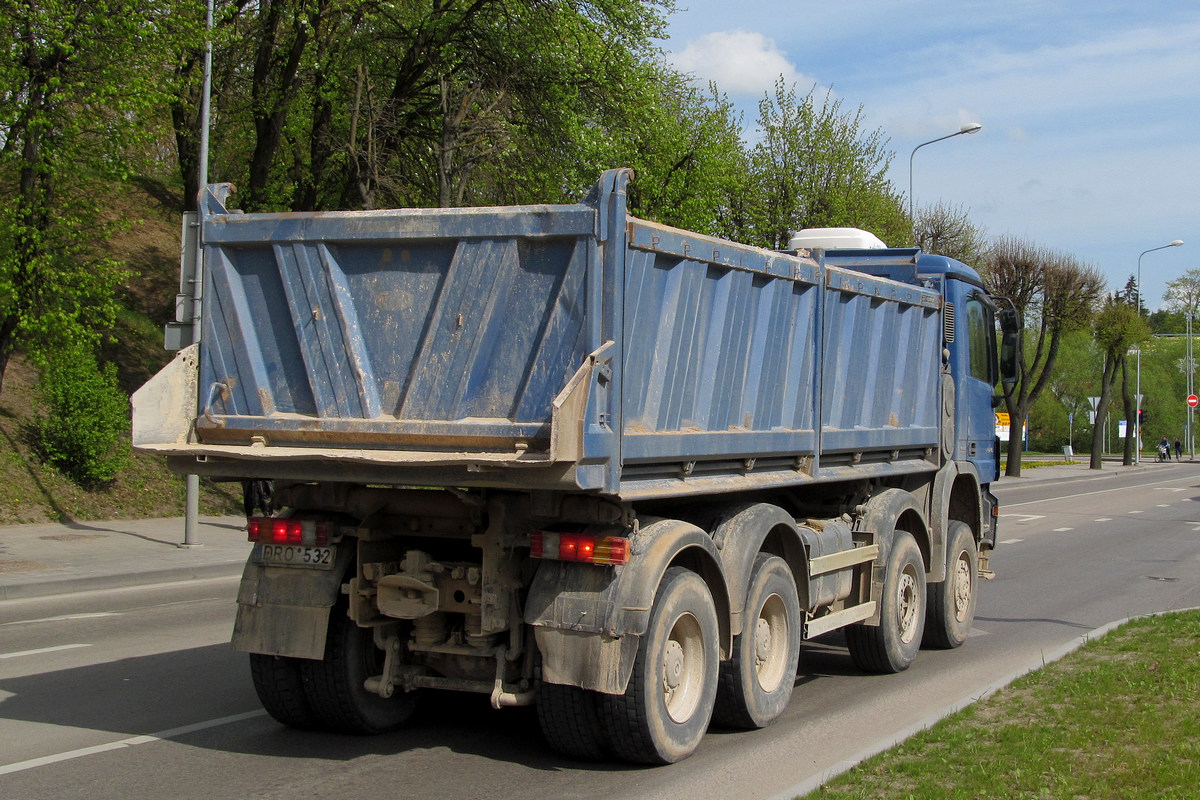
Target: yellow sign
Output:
[(1003, 425)]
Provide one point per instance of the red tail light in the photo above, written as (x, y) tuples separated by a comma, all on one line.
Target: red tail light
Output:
[(275, 531), (579, 547)]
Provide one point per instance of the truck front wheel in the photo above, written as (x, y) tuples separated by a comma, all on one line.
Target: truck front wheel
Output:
[(893, 645), (952, 602), (666, 708), (334, 685), (756, 683)]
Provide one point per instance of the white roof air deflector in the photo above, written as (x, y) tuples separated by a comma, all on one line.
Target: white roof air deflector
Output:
[(835, 239)]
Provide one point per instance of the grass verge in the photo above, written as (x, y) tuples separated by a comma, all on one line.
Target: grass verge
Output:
[(1115, 719)]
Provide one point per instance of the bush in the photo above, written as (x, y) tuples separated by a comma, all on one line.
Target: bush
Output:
[(87, 417)]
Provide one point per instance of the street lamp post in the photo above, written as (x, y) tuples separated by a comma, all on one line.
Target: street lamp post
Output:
[(970, 127), (1137, 414)]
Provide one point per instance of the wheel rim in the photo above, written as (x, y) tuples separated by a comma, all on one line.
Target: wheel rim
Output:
[(683, 668), (962, 586), (907, 605), (771, 643)]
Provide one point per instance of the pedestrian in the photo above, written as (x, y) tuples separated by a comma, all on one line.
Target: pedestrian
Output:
[(1178, 449)]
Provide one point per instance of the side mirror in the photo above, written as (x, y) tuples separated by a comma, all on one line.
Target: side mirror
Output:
[(1010, 348)]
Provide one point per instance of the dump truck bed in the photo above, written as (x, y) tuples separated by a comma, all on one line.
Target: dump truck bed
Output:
[(565, 347)]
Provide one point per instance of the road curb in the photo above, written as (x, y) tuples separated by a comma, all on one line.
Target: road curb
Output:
[(91, 583), (806, 787)]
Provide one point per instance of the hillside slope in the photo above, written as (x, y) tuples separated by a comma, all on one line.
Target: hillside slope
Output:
[(36, 492)]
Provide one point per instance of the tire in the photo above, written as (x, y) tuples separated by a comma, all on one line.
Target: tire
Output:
[(334, 685), (570, 720), (666, 708), (893, 645), (951, 609), (280, 688), (755, 685)]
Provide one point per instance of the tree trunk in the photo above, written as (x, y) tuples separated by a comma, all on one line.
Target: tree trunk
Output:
[(1131, 430), (1016, 414), (1107, 378)]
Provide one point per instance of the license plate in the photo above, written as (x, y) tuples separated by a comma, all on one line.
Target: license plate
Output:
[(294, 555)]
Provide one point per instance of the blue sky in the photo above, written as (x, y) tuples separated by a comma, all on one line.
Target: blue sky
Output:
[(1090, 111)]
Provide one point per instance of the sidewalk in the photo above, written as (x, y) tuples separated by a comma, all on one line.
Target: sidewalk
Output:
[(53, 558)]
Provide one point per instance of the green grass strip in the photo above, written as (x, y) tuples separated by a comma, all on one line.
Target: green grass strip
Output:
[(1117, 718)]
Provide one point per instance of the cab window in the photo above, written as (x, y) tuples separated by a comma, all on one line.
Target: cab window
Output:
[(979, 342)]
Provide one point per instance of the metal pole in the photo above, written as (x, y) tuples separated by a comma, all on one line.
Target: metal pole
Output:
[(191, 513), (970, 127), (1137, 417)]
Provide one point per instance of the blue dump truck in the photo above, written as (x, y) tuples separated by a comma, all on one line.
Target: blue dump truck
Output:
[(558, 455)]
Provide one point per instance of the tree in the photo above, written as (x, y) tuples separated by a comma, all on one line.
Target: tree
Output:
[(815, 166), (77, 90), (1117, 328), (948, 231), (1055, 293), (1182, 296)]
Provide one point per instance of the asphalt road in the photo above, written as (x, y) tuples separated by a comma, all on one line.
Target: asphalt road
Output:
[(136, 693)]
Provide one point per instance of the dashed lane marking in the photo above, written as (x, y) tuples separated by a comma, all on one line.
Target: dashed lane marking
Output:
[(1023, 518), (64, 618), (130, 742), (42, 650), (1012, 541)]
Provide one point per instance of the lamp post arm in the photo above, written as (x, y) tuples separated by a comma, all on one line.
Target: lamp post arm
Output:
[(968, 128)]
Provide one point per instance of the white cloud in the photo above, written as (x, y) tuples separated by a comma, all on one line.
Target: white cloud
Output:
[(741, 63)]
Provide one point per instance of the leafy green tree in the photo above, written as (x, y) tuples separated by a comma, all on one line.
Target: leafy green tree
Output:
[(1180, 301), (1117, 328), (1055, 293), (77, 90), (816, 166)]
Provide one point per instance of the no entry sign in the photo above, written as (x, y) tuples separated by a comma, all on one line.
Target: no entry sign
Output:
[(1193, 401)]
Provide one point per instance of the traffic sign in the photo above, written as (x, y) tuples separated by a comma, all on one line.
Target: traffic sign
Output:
[(1193, 401)]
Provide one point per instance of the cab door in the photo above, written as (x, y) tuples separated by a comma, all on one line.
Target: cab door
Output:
[(976, 377)]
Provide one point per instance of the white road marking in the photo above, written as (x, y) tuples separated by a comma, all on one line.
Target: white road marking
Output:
[(1137, 512), (1164, 505), (1087, 494), (1012, 541), (1062, 530), (64, 618), (42, 650), (1024, 518), (1103, 519), (132, 741)]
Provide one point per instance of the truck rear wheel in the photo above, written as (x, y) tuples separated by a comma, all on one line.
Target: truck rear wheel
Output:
[(756, 683), (334, 685), (893, 645), (570, 720), (952, 602), (666, 708), (280, 689)]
